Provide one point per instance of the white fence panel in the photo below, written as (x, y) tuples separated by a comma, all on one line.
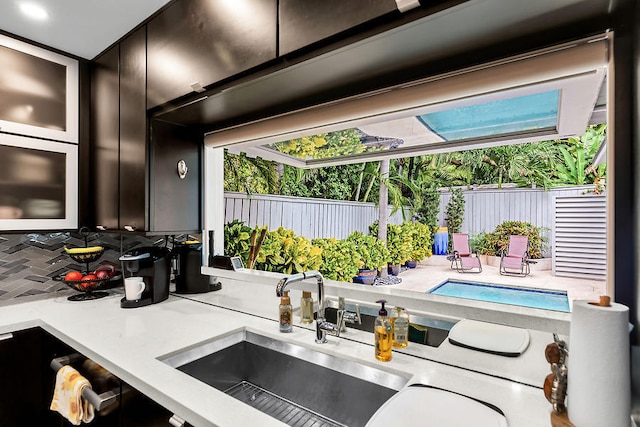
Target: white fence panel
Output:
[(305, 216)]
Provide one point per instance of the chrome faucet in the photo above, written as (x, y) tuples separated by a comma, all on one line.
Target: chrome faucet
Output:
[(323, 327)]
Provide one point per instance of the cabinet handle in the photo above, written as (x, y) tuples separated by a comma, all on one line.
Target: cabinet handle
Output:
[(101, 227), (6, 336), (129, 228), (404, 5), (176, 421)]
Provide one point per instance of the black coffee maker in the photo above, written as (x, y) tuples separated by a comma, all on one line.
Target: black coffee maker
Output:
[(153, 264), (187, 260)]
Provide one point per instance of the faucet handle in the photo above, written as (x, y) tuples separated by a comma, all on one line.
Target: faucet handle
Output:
[(352, 317)]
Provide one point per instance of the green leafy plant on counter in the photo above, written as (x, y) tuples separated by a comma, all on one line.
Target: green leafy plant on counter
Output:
[(284, 252), (498, 240), (237, 240), (371, 251), (420, 240), (340, 259)]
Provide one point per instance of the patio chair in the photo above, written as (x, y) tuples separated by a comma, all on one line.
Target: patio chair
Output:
[(462, 258), (516, 261)]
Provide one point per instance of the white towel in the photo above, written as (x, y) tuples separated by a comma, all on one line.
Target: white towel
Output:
[(67, 396)]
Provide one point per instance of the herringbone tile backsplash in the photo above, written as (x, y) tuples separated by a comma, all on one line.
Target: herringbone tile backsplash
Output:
[(29, 262)]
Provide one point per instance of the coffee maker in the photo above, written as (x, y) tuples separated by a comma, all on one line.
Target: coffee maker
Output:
[(153, 264), (187, 260)]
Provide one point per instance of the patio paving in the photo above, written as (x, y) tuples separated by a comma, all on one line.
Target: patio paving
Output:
[(435, 270)]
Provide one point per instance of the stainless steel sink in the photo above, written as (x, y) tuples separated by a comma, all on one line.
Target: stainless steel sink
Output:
[(293, 383)]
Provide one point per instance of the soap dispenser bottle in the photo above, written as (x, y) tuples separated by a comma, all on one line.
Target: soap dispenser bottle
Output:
[(306, 308), (286, 313), (400, 323), (383, 332)]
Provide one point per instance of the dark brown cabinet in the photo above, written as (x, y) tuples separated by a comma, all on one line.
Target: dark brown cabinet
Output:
[(302, 23), (135, 177), (206, 41)]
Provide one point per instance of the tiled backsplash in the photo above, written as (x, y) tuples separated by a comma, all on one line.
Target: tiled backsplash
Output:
[(29, 262)]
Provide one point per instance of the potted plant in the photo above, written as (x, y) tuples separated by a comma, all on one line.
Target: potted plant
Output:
[(399, 245), (237, 240), (420, 242), (339, 259), (372, 254)]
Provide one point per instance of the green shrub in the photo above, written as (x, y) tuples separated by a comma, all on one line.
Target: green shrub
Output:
[(478, 242), (284, 252), (498, 240), (399, 244), (428, 212), (340, 260), (420, 240), (371, 251), (237, 240), (455, 213)]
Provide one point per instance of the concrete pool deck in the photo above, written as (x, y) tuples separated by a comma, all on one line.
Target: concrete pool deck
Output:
[(436, 269)]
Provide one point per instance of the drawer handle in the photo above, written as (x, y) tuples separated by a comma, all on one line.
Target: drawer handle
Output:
[(176, 421), (7, 336)]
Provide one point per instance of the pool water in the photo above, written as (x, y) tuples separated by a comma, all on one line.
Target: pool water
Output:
[(527, 297)]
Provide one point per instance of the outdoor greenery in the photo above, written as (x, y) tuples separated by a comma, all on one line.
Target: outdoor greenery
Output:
[(340, 259), (284, 252), (497, 241), (454, 213), (420, 240), (372, 253), (237, 240)]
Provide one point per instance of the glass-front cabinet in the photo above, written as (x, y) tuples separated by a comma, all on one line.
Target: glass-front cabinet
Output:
[(38, 138)]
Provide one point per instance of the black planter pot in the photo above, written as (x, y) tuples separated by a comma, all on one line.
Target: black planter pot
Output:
[(394, 269), (411, 264)]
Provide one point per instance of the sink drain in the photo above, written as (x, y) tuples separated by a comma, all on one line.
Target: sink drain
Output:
[(279, 408)]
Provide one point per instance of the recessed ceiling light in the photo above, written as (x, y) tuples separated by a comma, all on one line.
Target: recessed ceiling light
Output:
[(34, 11)]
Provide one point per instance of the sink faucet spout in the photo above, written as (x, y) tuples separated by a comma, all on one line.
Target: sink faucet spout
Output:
[(322, 326)]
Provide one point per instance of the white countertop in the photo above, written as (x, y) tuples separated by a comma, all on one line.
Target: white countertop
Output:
[(128, 342)]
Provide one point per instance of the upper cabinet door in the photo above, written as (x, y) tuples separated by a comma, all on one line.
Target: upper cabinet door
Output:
[(305, 22), (205, 41), (38, 92)]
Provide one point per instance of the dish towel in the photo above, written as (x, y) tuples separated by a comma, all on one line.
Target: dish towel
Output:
[(67, 396)]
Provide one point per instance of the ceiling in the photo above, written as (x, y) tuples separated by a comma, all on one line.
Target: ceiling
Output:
[(80, 27)]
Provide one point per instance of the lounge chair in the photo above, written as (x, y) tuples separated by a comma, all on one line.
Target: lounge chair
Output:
[(516, 261), (463, 259)]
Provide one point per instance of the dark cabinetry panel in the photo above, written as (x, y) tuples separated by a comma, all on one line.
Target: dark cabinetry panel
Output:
[(176, 201), (206, 41), (305, 22), (133, 130), (105, 119)]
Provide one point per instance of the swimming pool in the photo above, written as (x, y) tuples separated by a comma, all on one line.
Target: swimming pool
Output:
[(504, 294)]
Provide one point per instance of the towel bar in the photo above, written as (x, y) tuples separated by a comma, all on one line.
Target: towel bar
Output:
[(99, 401)]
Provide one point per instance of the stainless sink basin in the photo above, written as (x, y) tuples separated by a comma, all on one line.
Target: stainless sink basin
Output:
[(295, 384)]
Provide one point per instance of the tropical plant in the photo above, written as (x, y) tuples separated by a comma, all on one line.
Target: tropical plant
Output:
[(478, 243), (420, 240), (498, 240), (577, 154), (399, 244), (455, 213), (340, 259), (427, 212), (249, 175), (284, 252), (237, 240), (372, 253)]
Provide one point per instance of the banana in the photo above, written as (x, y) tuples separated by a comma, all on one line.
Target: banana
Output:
[(88, 250)]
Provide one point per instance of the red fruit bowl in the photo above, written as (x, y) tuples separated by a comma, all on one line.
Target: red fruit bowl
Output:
[(87, 287)]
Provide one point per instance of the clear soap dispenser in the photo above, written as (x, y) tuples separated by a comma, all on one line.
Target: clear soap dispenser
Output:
[(286, 313), (306, 308), (383, 332), (400, 323)]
